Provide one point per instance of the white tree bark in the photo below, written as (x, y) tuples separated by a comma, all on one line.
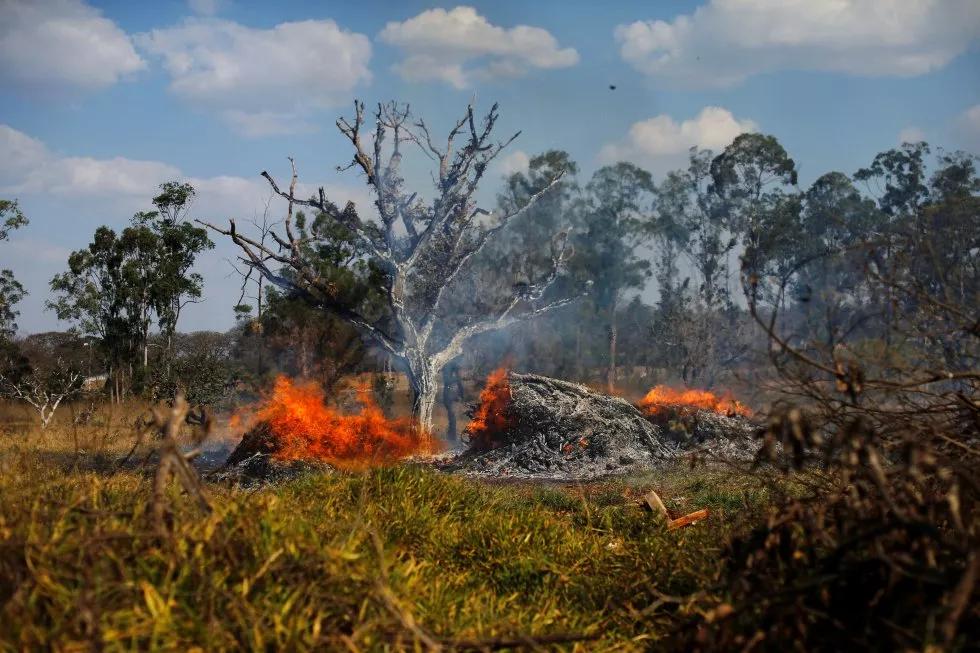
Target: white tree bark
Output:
[(44, 393), (441, 239)]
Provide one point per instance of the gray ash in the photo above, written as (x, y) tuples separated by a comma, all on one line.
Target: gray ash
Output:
[(560, 430)]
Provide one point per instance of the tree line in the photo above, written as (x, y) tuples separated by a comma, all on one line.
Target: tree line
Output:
[(555, 277)]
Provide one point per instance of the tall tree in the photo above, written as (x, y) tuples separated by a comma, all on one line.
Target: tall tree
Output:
[(755, 180), (689, 217), (830, 285), (424, 258), (11, 291), (178, 244), (116, 286), (319, 345), (93, 294), (526, 243), (616, 217), (521, 255), (898, 178)]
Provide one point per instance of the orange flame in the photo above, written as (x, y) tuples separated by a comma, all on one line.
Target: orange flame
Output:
[(662, 399), (307, 428), (490, 417)]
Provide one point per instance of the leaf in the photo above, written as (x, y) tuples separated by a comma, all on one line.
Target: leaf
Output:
[(154, 602)]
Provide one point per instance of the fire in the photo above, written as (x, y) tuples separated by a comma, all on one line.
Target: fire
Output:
[(662, 399), (490, 417), (307, 428)]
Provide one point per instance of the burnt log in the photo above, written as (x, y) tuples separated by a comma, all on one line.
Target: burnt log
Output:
[(254, 461), (257, 440)]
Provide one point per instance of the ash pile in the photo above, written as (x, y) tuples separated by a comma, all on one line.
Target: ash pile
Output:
[(710, 434), (254, 461), (531, 426)]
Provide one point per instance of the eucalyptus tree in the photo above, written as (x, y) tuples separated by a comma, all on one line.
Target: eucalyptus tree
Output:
[(689, 218), (755, 180), (423, 248), (521, 255), (616, 220), (116, 286), (11, 291), (178, 244)]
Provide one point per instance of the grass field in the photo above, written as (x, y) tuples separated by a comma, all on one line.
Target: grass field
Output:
[(392, 558)]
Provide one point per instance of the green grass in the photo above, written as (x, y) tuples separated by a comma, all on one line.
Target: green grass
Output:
[(362, 561)]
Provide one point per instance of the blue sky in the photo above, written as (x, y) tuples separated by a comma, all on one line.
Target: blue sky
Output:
[(105, 100)]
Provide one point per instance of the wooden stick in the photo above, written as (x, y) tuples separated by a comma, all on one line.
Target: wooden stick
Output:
[(688, 519), (656, 504)]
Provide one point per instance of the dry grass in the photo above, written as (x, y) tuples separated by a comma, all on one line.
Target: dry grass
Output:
[(389, 559)]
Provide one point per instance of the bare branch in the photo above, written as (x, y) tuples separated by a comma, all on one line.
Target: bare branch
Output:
[(485, 236)]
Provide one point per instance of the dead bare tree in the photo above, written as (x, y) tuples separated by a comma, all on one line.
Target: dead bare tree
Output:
[(440, 239), (44, 392)]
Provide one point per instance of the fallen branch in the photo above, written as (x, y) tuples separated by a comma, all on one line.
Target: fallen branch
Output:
[(656, 505), (688, 520)]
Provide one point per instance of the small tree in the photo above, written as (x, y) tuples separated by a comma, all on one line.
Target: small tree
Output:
[(43, 389), (420, 267)]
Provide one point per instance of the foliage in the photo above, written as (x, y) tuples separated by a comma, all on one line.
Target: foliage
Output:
[(881, 552), (526, 243), (614, 224), (114, 287), (178, 243), (689, 219), (11, 291), (754, 180), (199, 368), (11, 218), (43, 388)]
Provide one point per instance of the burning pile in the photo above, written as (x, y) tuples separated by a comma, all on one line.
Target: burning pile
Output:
[(295, 424), (490, 418), (662, 400), (536, 427), (718, 424)]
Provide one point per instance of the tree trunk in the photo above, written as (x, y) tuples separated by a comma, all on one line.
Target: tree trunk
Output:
[(304, 353), (613, 333), (448, 400), (421, 379)]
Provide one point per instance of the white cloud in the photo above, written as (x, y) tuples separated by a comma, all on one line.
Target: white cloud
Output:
[(205, 7), (67, 197), (459, 45), (725, 41), (262, 81), (967, 128), (268, 123), (661, 143), (516, 161), (911, 134), (27, 166), (52, 46)]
